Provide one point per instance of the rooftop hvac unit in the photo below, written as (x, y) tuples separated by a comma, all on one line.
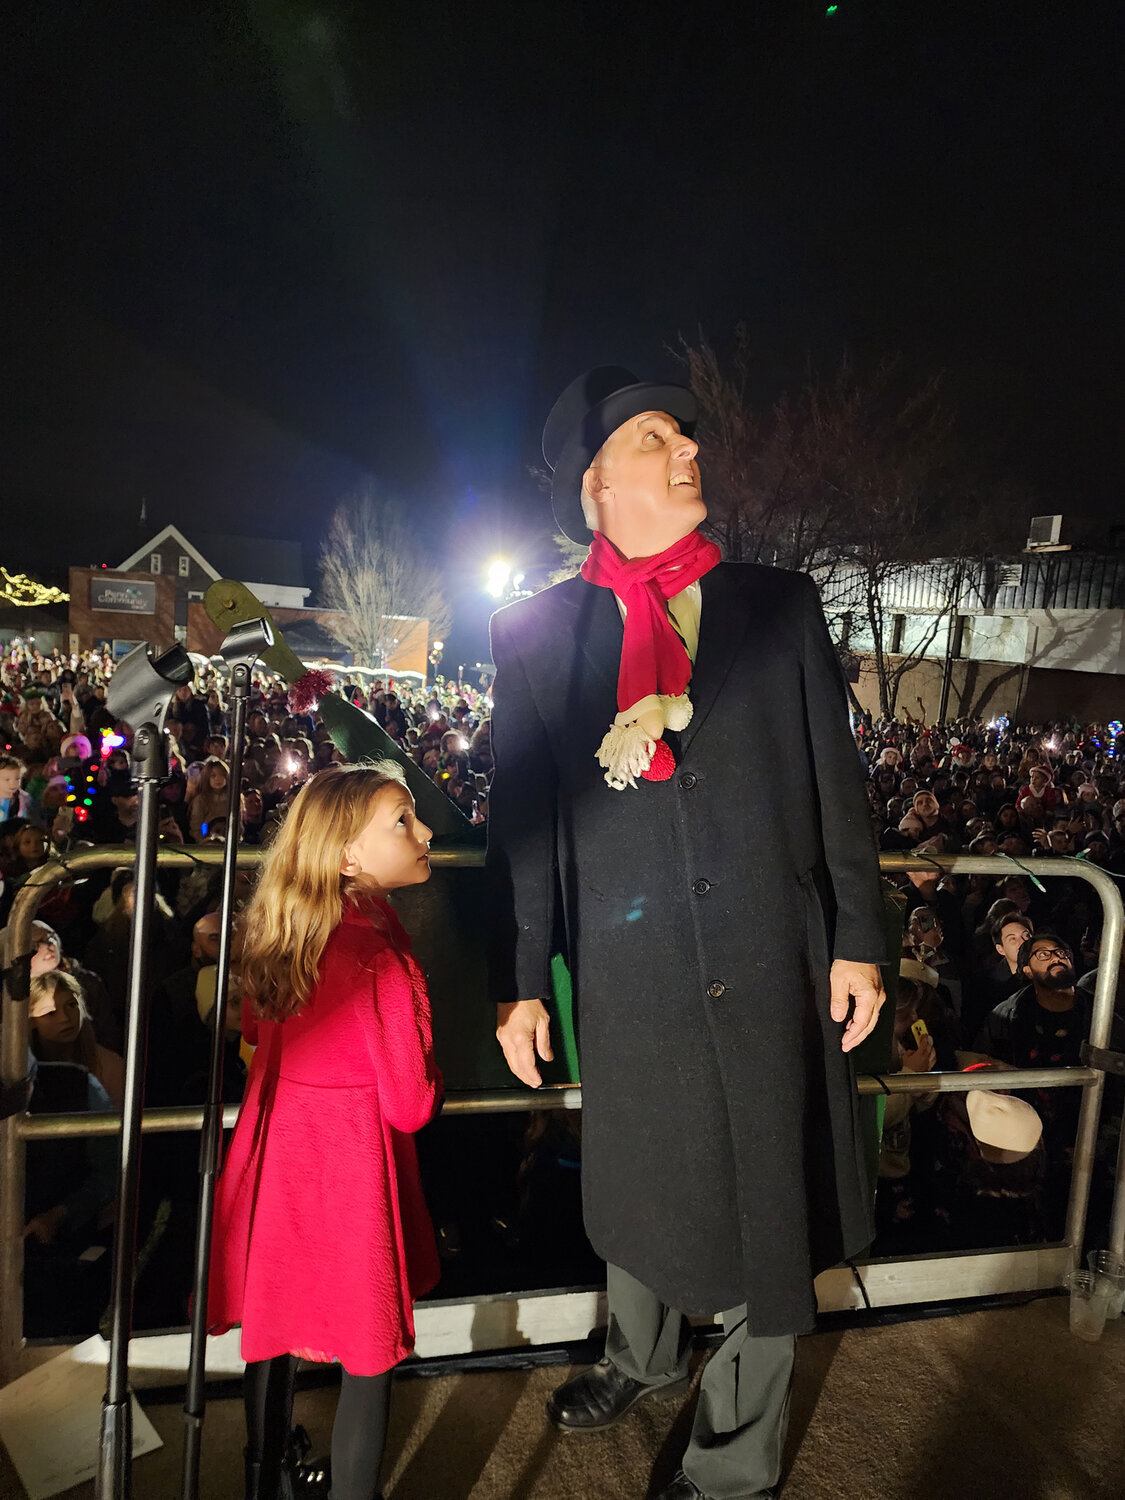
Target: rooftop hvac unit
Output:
[(1044, 531)]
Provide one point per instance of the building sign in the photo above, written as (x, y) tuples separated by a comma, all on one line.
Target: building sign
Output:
[(123, 596)]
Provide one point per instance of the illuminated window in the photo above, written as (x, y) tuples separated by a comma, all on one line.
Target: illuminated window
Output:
[(154, 563), (185, 565)]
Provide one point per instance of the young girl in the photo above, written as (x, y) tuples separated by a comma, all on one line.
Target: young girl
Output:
[(210, 800), (322, 1240), (61, 1031)]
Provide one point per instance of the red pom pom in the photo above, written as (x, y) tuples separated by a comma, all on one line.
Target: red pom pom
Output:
[(663, 764), (309, 689)]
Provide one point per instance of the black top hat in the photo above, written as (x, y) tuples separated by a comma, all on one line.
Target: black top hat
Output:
[(588, 411)]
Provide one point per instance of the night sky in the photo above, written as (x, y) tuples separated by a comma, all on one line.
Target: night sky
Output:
[(256, 254)]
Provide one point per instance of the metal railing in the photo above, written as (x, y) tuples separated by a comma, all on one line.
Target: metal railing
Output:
[(18, 1129)]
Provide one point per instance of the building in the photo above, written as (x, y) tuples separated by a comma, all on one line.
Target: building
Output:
[(1034, 637), (157, 595), (118, 610), (148, 596), (194, 567)]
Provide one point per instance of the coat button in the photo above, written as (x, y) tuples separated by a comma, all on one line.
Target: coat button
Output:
[(717, 990), (688, 780), (701, 887)]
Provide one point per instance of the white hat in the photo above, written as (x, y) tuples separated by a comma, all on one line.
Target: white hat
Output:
[(911, 968), (1008, 1127)]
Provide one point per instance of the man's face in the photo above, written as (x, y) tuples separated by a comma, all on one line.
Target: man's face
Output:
[(1049, 966), (205, 939), (126, 809), (1012, 938), (646, 479)]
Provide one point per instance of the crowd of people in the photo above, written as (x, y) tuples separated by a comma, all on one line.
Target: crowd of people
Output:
[(996, 970), (73, 756)]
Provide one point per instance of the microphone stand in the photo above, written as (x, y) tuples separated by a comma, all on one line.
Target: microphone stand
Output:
[(140, 694), (240, 650)]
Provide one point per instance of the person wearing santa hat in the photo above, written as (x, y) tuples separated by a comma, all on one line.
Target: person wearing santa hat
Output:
[(723, 926)]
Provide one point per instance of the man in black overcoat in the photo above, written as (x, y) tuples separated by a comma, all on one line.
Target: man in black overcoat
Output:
[(723, 924)]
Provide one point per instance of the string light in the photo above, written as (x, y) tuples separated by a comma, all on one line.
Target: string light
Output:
[(20, 589)]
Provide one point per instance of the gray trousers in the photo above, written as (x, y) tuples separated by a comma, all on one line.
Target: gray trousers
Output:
[(739, 1428)]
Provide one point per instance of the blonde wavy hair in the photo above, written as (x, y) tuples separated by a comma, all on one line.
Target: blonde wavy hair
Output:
[(299, 899)]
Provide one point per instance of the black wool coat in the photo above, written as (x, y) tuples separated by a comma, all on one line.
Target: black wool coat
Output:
[(699, 916)]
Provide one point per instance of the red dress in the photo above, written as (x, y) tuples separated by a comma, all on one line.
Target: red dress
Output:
[(322, 1239)]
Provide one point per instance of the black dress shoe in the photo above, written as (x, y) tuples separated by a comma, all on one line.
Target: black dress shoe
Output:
[(682, 1488), (601, 1396)]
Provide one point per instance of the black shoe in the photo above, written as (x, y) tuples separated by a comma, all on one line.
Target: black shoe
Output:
[(309, 1479), (601, 1396), (254, 1488), (682, 1488)]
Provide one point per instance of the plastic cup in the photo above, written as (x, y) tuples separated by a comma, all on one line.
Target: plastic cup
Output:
[(1110, 1269), (1087, 1306)]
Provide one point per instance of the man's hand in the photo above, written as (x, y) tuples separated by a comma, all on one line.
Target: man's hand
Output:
[(524, 1029), (863, 983)]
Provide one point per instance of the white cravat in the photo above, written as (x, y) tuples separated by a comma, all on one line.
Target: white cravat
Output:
[(685, 609)]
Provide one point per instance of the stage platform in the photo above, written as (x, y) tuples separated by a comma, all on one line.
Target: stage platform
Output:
[(1001, 1404)]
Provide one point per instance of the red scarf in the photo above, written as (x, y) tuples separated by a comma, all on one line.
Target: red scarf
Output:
[(654, 658)]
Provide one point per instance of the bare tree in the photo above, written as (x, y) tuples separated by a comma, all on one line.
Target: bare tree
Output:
[(912, 516), (857, 480), (573, 556), (766, 501), (374, 572)]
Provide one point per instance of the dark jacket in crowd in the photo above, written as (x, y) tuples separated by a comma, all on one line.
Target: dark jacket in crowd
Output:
[(720, 1154)]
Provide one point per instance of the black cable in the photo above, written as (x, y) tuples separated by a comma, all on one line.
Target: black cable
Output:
[(854, 1269)]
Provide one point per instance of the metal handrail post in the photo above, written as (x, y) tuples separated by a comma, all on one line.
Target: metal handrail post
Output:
[(518, 1101), (13, 1153)]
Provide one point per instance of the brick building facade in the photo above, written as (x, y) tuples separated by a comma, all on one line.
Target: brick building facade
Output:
[(107, 605)]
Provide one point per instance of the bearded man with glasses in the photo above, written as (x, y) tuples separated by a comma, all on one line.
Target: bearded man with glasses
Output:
[(1043, 1025)]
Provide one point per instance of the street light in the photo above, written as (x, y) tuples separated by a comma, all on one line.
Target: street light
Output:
[(499, 572)]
